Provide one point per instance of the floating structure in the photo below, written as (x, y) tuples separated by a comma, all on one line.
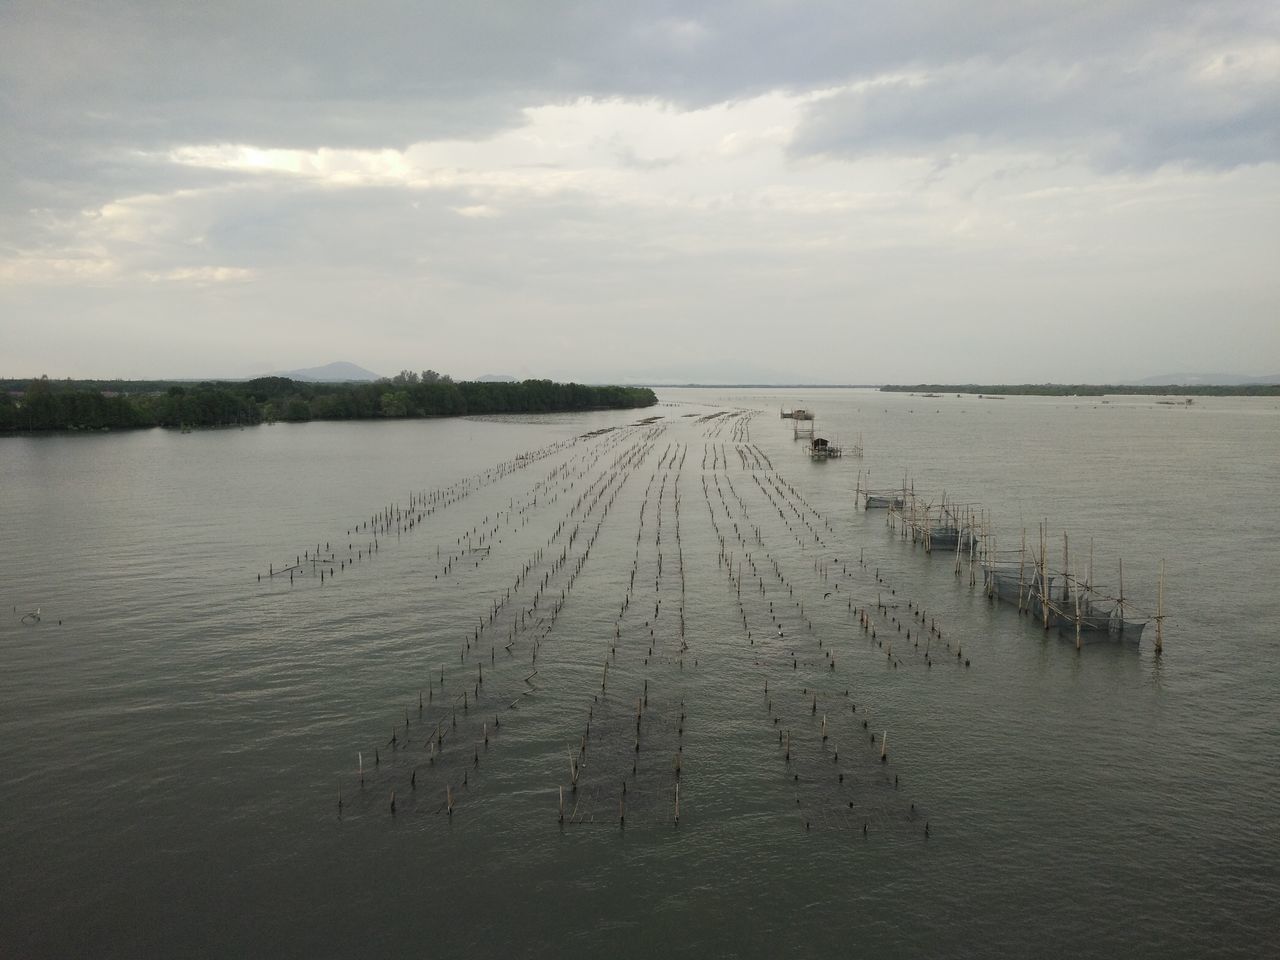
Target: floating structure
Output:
[(944, 526), (1065, 600), (801, 422), (882, 499), (1075, 604), (821, 448), (885, 499)]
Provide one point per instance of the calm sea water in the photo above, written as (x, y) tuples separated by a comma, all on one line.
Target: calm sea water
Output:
[(175, 733)]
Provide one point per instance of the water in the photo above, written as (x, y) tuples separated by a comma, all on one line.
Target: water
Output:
[(171, 753)]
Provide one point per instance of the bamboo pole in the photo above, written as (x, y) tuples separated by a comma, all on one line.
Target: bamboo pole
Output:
[(1066, 565), (1088, 574), (1160, 612), (1022, 563), (1075, 591), (1044, 576), (973, 548), (1121, 599)]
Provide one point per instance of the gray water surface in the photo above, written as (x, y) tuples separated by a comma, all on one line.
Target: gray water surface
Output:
[(172, 752)]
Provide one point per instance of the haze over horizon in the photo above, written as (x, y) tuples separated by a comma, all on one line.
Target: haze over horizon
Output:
[(724, 192)]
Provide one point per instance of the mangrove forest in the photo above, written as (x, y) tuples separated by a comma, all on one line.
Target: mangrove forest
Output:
[(45, 404)]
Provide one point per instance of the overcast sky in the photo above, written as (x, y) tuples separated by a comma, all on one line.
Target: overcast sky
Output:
[(756, 190)]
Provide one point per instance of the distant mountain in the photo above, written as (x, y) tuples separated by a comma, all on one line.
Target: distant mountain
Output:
[(495, 378), (1206, 379), (340, 371)]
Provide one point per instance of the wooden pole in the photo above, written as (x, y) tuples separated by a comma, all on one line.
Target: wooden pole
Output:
[(1022, 563), (973, 556), (1160, 612), (1121, 600), (1088, 574), (1075, 591), (1066, 565), (1044, 574)]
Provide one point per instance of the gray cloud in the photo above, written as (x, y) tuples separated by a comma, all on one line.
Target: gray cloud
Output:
[(1117, 158), (161, 70), (1114, 113)]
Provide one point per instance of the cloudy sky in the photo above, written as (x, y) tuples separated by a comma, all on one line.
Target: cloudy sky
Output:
[(757, 190)]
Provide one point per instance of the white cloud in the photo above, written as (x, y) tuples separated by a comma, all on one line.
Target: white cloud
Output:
[(203, 275), (21, 270), (477, 210)]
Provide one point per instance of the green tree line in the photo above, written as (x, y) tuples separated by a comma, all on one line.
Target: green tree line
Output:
[(91, 405)]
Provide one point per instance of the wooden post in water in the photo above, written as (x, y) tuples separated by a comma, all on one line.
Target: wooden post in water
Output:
[(1075, 592), (1121, 598), (1088, 575), (1066, 565), (1160, 612), (884, 747), (1044, 573), (975, 560), (1022, 563)]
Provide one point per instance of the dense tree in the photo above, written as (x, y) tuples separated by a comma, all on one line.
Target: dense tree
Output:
[(74, 405)]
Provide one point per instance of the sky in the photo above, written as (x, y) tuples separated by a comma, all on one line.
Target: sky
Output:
[(830, 191)]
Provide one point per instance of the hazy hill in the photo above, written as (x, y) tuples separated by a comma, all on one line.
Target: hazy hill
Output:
[(340, 371)]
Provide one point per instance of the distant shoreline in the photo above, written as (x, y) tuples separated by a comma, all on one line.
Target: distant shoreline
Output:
[(1090, 389), (1010, 390), (763, 386)]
